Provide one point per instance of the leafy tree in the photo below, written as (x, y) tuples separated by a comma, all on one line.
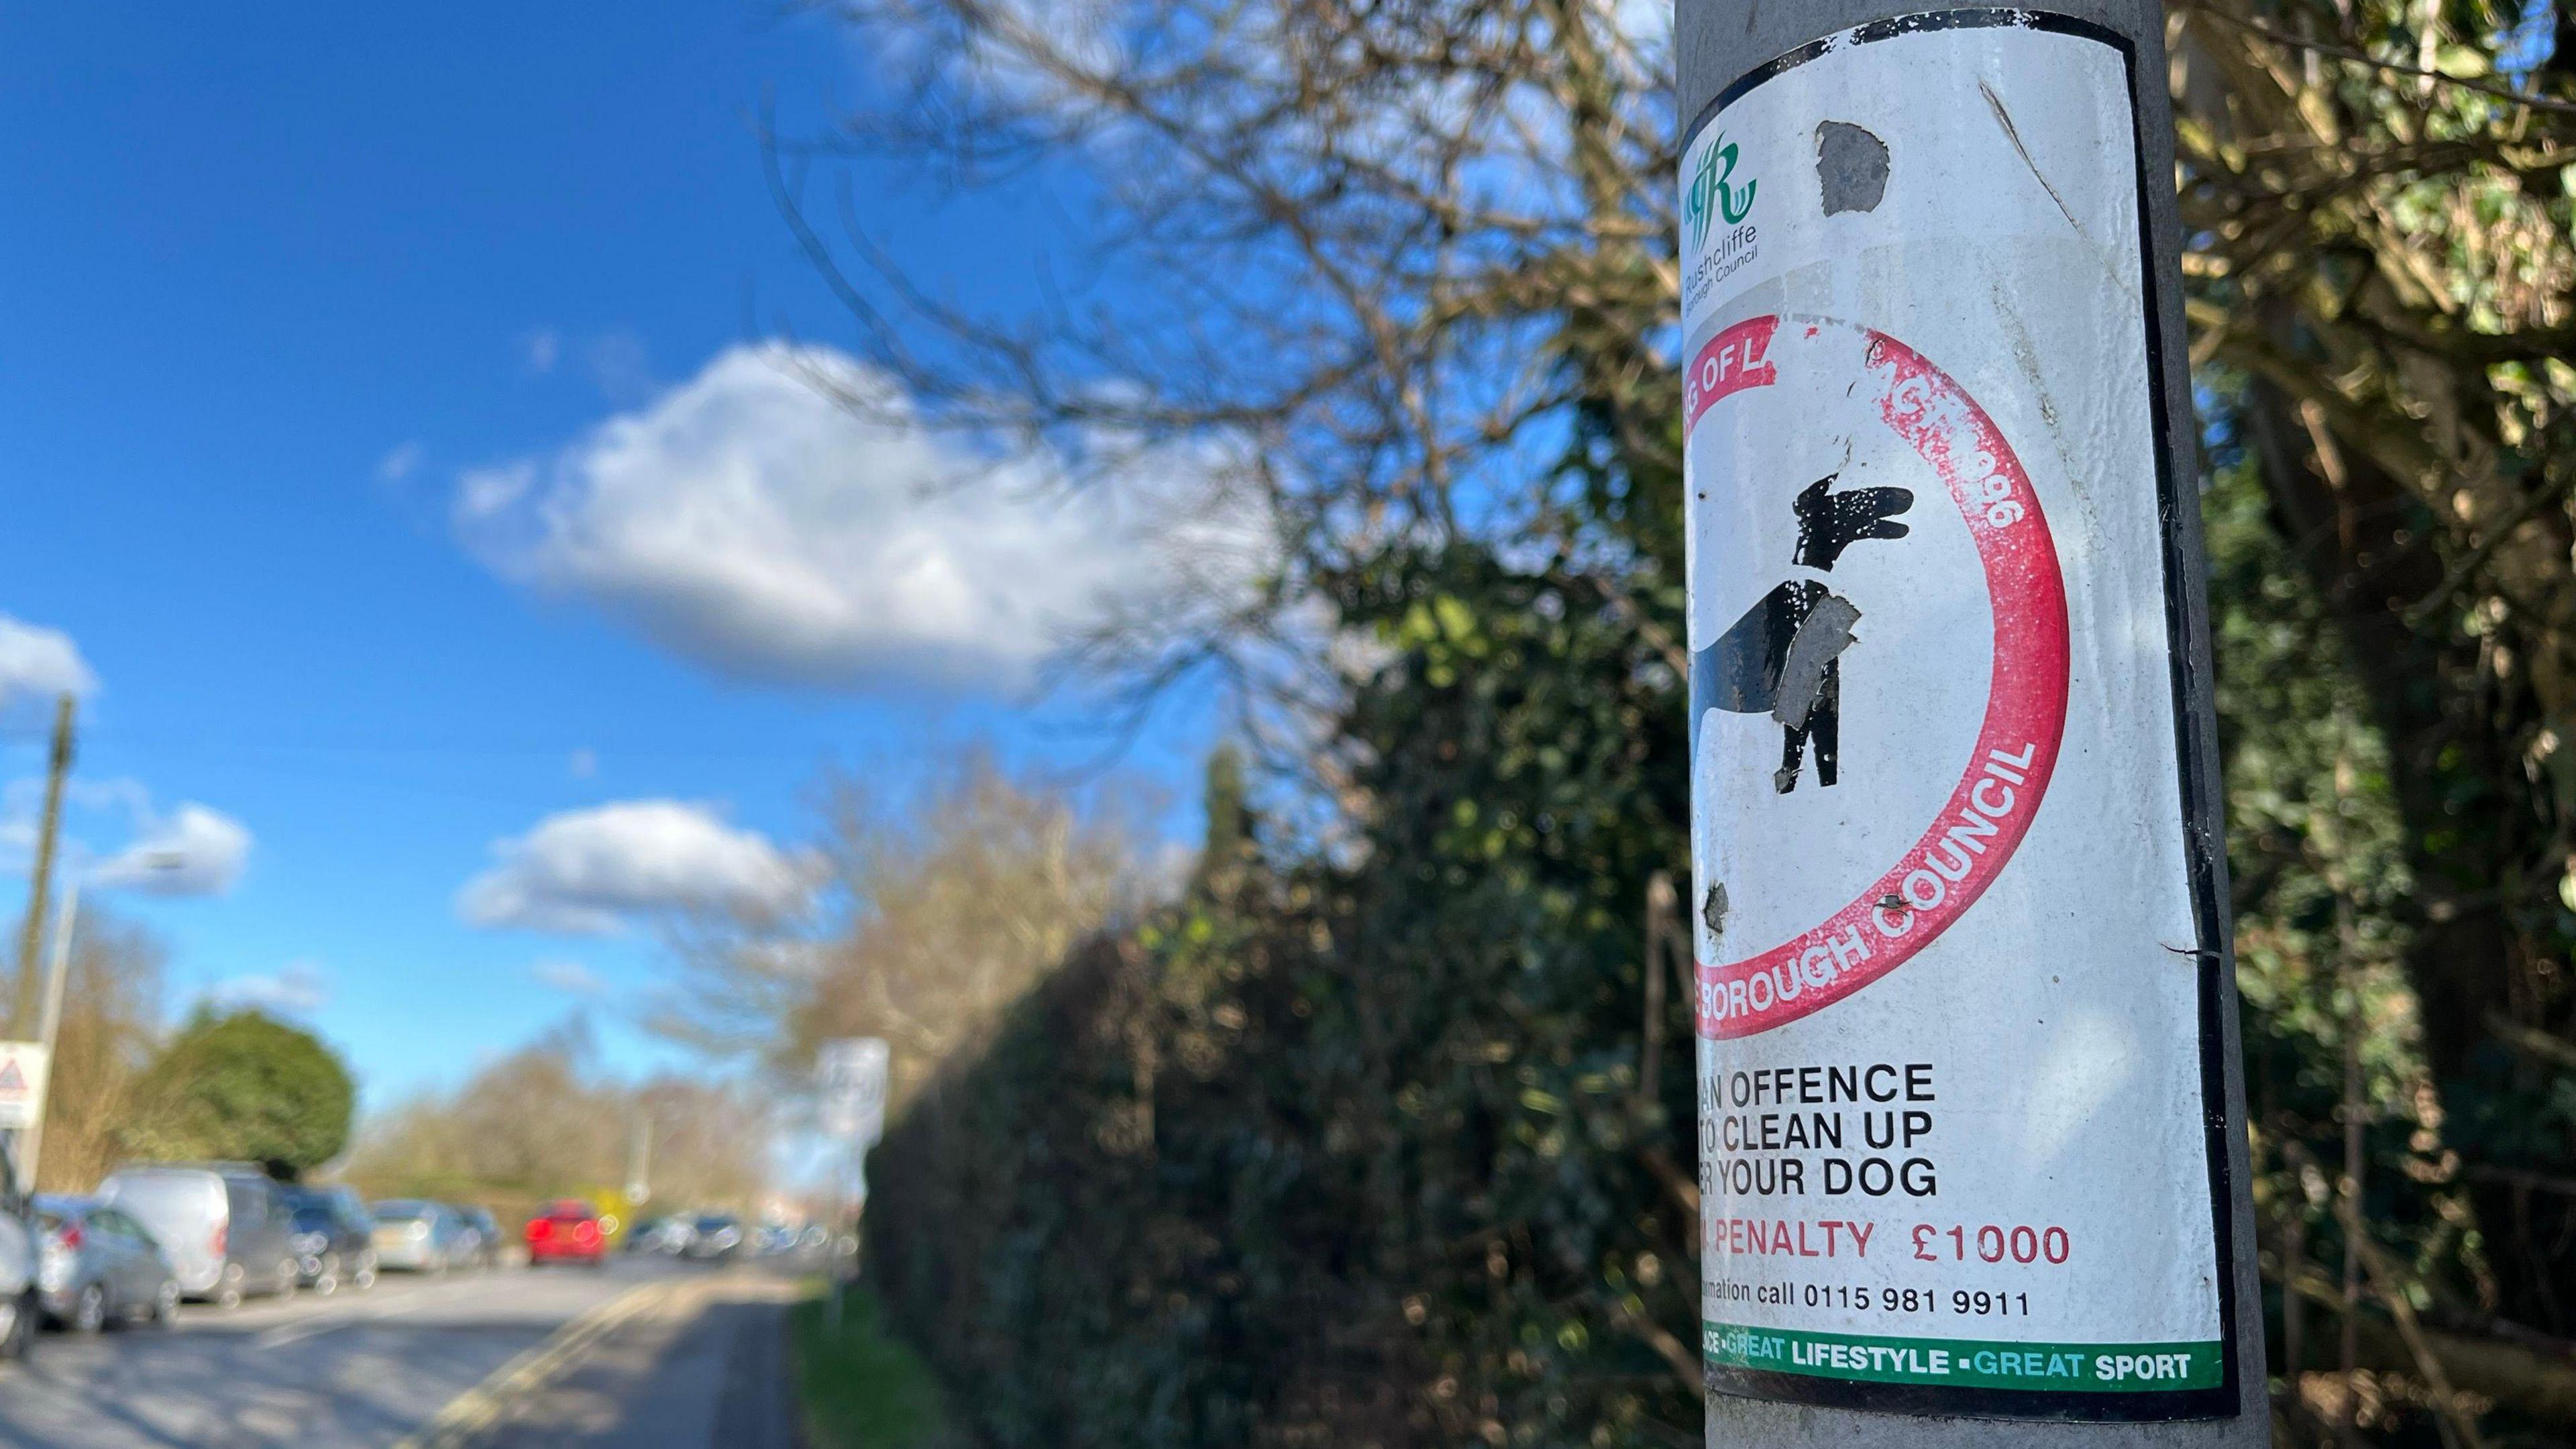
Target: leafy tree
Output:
[(546, 1122), (1227, 842), (934, 914), (111, 1028), (2381, 290), (1352, 1155), (1406, 274), (245, 1086)]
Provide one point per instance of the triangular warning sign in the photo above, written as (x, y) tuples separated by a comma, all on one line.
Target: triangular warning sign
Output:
[(11, 1079)]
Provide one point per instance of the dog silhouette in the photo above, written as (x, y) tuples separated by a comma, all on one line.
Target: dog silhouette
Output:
[(1783, 658)]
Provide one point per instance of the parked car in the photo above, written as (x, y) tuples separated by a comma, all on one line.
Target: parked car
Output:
[(668, 1236), (713, 1236), (224, 1226), (96, 1266), (420, 1237), (334, 1238), (468, 1252), (567, 1232), (486, 1252), (20, 1304)]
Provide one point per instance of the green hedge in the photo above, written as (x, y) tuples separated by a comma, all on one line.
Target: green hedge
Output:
[(1348, 1154)]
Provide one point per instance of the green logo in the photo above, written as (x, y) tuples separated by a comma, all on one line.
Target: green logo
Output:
[(1709, 192)]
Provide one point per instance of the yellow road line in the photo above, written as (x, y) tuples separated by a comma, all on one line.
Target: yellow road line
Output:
[(475, 1410)]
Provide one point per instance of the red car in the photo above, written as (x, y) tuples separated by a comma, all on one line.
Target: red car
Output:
[(568, 1231)]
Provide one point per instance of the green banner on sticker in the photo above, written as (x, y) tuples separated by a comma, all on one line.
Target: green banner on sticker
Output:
[(1967, 1363)]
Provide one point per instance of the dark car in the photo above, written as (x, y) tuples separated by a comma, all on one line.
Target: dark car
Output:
[(97, 1266), (487, 1236), (334, 1238)]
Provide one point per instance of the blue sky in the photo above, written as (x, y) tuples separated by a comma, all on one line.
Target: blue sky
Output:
[(373, 381)]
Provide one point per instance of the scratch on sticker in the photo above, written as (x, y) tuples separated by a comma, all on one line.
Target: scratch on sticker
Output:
[(2012, 133)]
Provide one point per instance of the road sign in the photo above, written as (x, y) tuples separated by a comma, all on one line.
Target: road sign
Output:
[(24, 1069), (850, 1084), (1961, 990)]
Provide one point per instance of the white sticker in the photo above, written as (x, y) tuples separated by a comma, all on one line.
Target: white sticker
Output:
[(850, 1089), (24, 1068), (1955, 1073)]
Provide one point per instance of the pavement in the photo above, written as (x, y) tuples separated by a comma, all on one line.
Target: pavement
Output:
[(642, 1354)]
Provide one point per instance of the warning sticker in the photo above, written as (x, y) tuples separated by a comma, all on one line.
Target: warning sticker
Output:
[(23, 1069), (1783, 657), (1953, 951)]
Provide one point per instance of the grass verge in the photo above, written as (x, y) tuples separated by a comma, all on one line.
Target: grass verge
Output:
[(863, 1388)]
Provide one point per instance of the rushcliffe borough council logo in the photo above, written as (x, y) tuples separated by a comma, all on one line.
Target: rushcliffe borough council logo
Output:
[(1719, 237), (1712, 194)]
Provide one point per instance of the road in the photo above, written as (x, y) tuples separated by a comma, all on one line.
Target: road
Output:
[(644, 1354)]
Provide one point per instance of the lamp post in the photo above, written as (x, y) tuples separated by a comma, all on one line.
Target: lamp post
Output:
[(1972, 1153), (58, 960)]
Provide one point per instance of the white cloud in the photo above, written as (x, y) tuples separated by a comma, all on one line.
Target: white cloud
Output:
[(569, 977), (195, 851), (300, 989), (748, 522), (540, 348), (192, 851), (400, 462), (38, 663), (582, 763), (588, 872)]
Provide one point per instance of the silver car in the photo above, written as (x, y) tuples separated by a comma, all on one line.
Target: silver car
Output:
[(420, 1237), (96, 1266), (224, 1226), (714, 1236), (661, 1235)]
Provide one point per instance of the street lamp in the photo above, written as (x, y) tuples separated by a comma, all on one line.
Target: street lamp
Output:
[(50, 1021)]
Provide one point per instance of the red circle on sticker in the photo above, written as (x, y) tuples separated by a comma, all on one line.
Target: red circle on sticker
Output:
[(1973, 836)]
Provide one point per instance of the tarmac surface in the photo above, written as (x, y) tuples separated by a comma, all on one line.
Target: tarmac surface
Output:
[(644, 1353)]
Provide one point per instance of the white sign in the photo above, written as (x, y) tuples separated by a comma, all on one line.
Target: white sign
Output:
[(1956, 1076), (851, 1084), (24, 1068)]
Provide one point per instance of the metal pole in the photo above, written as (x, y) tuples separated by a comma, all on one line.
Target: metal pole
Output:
[(41, 875), (848, 1174), (57, 972), (58, 966), (1932, 300)]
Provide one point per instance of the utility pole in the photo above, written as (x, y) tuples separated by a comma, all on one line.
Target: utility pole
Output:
[(40, 876), (1972, 1151), (49, 1027)]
